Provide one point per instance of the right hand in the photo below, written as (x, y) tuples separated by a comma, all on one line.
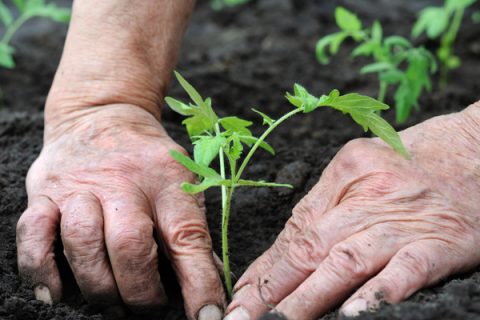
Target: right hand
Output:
[(105, 179)]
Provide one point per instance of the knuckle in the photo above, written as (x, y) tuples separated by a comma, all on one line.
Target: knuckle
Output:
[(132, 240), (415, 263), (348, 262), (188, 236), (306, 252), (352, 155)]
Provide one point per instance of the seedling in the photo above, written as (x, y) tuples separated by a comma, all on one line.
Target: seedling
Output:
[(226, 139), (28, 9), (444, 23), (220, 4), (396, 61)]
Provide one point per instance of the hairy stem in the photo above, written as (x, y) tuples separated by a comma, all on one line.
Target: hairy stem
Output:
[(262, 138)]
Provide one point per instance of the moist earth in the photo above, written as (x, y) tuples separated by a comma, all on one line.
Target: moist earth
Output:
[(242, 57)]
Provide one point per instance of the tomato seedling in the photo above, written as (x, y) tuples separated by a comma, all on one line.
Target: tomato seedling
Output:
[(226, 139), (27, 9), (444, 23), (396, 61)]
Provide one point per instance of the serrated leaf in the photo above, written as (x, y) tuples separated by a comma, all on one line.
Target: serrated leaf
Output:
[(266, 119), (207, 148), (204, 185), (178, 106), (382, 129), (376, 67), (236, 147), (6, 56), (250, 140), (5, 15), (191, 165), (302, 99), (347, 20), (237, 125), (252, 183)]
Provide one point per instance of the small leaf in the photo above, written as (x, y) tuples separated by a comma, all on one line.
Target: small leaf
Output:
[(236, 148), (207, 148), (266, 119), (365, 49), (5, 15), (346, 20), (6, 56), (376, 67), (337, 41), (354, 102), (377, 32), (321, 45), (191, 91), (178, 106), (191, 165), (235, 124), (204, 185), (302, 99), (251, 183), (433, 21)]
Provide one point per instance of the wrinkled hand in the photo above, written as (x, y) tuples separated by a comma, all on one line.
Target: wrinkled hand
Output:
[(105, 179), (375, 225)]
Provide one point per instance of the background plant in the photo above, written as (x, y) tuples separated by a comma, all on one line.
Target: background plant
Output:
[(220, 4), (27, 9), (226, 138), (444, 23), (396, 61)]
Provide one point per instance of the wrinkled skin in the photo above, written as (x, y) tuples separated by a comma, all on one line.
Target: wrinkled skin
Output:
[(105, 180), (376, 227)]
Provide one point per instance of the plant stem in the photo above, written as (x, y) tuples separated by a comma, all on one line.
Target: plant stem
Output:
[(225, 253), (13, 28), (447, 44), (382, 91), (262, 138)]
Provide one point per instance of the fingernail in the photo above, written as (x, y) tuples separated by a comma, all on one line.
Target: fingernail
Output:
[(238, 314), (210, 312), (241, 291), (42, 293), (354, 308)]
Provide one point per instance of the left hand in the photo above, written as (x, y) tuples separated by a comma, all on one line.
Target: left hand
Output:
[(377, 222)]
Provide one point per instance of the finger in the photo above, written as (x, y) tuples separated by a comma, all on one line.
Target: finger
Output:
[(132, 251), (299, 260), (415, 266), (320, 199), (36, 233), (183, 226), (348, 264), (84, 248)]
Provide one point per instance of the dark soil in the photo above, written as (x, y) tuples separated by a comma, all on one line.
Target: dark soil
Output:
[(243, 57)]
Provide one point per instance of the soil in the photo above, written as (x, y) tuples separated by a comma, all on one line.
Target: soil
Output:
[(242, 57)]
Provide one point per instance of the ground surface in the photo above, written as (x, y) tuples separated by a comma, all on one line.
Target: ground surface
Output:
[(242, 58)]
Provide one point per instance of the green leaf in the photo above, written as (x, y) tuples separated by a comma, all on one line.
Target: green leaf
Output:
[(207, 148), (250, 140), (20, 4), (178, 106), (321, 45), (337, 41), (397, 41), (197, 125), (302, 99), (236, 147), (354, 102), (251, 183), (204, 185), (382, 129), (392, 76), (365, 49), (377, 32), (266, 119), (6, 56), (191, 91), (376, 67), (191, 165), (433, 21), (235, 124), (5, 15), (346, 20)]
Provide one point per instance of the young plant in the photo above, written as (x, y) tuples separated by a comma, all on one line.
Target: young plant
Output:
[(27, 9), (396, 61), (444, 23), (227, 138)]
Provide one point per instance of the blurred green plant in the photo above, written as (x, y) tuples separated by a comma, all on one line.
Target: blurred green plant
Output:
[(476, 17), (221, 4), (27, 9), (396, 61), (226, 138), (444, 23)]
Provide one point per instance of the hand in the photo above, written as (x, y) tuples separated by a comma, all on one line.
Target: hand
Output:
[(377, 222), (105, 179)]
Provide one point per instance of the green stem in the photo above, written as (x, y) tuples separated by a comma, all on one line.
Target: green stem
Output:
[(447, 45), (382, 91), (13, 28), (225, 253), (262, 138)]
